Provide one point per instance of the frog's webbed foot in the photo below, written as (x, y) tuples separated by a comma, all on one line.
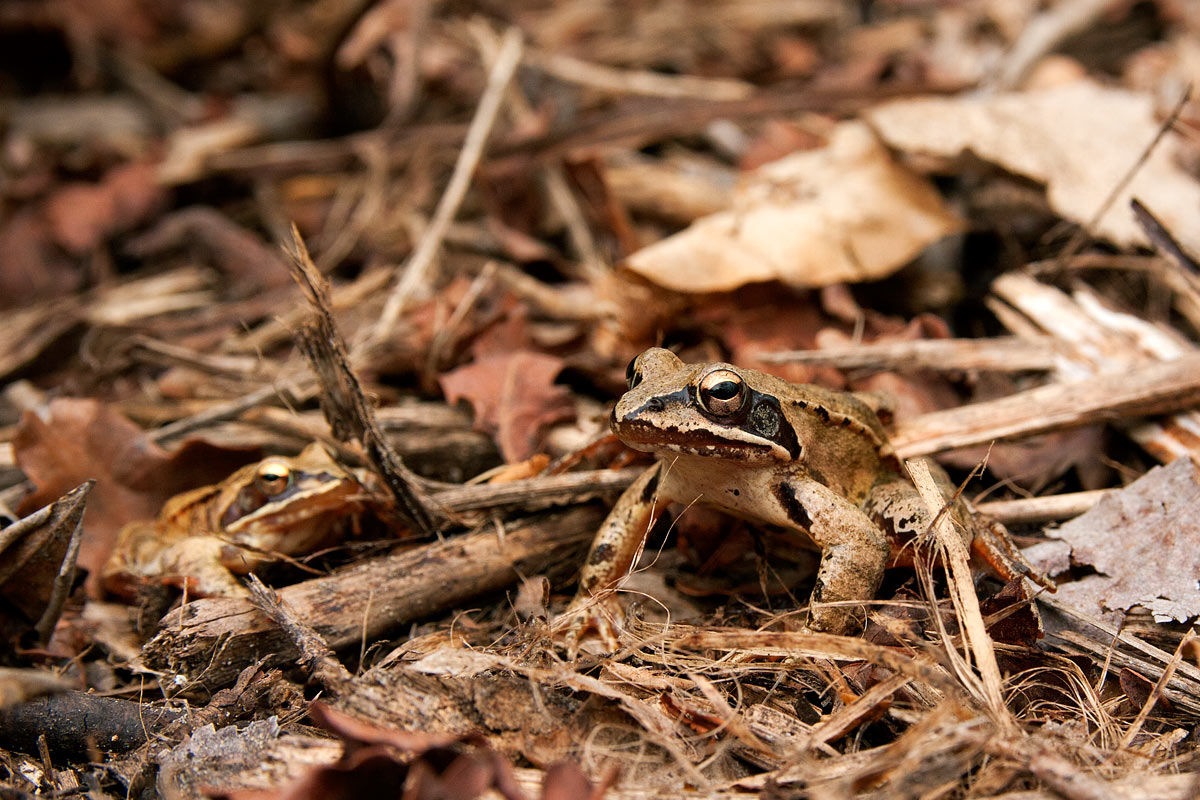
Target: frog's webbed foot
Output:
[(590, 618)]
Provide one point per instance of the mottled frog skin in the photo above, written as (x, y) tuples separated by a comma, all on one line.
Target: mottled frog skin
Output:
[(813, 461)]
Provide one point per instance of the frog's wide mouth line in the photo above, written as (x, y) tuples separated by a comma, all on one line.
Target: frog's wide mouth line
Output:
[(638, 432)]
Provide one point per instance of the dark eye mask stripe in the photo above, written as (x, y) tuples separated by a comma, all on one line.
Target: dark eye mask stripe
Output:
[(766, 419)]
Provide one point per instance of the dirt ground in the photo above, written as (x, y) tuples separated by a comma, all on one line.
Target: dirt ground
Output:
[(313, 316)]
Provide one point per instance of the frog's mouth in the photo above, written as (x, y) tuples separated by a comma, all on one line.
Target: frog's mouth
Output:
[(654, 437)]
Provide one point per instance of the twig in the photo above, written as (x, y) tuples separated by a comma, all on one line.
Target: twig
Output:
[(416, 270), (1006, 354), (643, 82), (314, 654), (342, 399), (963, 589), (290, 392), (1041, 509), (1152, 388)]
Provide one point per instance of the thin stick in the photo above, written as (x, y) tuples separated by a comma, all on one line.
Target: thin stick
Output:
[(963, 589), (417, 269), (1041, 509), (641, 82)]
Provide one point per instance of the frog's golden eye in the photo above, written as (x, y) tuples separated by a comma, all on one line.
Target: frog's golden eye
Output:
[(272, 477), (633, 375), (722, 392)]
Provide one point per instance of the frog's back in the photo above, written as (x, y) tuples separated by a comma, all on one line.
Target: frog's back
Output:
[(844, 445)]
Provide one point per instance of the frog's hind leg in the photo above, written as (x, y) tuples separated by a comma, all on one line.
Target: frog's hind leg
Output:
[(612, 555)]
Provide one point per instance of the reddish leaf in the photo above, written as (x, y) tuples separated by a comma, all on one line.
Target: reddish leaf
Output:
[(32, 267), (84, 439), (82, 215), (514, 397)]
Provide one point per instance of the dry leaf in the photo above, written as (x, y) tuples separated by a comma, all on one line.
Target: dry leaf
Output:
[(83, 215), (1079, 139), (82, 439), (844, 212), (514, 397), (37, 565), (33, 267), (1144, 542)]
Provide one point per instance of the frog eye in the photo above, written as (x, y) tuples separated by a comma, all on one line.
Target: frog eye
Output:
[(272, 477), (722, 392), (633, 375)]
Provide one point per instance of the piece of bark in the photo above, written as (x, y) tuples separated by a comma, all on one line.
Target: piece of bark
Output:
[(257, 756), (342, 399), (537, 493), (1152, 388), (367, 599)]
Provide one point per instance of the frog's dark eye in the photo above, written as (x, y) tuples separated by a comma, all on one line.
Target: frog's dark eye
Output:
[(633, 375), (722, 392), (272, 477)]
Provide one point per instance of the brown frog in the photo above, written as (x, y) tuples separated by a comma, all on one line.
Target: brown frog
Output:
[(279, 506), (803, 458)]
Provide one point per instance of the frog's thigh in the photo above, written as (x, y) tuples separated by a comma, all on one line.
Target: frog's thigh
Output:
[(899, 509), (854, 552), (622, 533)]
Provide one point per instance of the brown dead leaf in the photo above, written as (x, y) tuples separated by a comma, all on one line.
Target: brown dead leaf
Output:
[(37, 562), (86, 439), (82, 215), (1079, 140), (32, 266), (1144, 541), (843, 212), (514, 397)]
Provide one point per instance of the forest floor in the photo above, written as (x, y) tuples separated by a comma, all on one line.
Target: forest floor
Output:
[(313, 315)]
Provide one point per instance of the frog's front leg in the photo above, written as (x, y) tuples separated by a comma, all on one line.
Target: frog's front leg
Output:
[(200, 563), (613, 551), (854, 553)]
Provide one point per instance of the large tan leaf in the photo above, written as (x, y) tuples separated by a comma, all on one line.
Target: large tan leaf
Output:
[(1079, 139), (845, 212)]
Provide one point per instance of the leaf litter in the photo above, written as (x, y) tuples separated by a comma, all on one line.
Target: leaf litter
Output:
[(875, 201)]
